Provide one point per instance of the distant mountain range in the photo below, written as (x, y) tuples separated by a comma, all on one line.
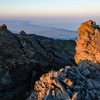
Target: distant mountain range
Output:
[(63, 34)]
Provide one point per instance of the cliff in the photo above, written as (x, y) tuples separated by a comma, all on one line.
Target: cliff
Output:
[(25, 57), (88, 43)]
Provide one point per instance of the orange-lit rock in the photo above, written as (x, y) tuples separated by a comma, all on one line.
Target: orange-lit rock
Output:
[(3, 26), (46, 82), (68, 82), (88, 43), (74, 96)]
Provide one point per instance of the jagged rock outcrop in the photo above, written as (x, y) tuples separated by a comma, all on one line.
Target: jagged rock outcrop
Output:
[(88, 43), (3, 26), (22, 32), (25, 57), (80, 82)]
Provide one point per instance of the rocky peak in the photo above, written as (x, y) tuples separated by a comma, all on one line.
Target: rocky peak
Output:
[(88, 43), (22, 32), (3, 26)]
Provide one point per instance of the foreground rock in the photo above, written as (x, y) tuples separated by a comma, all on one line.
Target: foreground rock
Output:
[(25, 57), (88, 43), (70, 83)]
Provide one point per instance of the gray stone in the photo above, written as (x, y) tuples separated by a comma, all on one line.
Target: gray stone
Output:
[(92, 94), (77, 88), (82, 65), (78, 72), (58, 84), (33, 96), (90, 84), (98, 95), (94, 91), (62, 75), (57, 92), (86, 72), (63, 96), (6, 79), (66, 69), (69, 91), (49, 97), (88, 97), (96, 83)]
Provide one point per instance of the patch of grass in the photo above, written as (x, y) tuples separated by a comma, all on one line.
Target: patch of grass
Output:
[(6, 55)]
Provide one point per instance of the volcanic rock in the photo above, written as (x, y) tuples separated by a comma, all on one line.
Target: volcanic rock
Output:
[(80, 82), (80, 86), (22, 32), (3, 26), (25, 57), (88, 43)]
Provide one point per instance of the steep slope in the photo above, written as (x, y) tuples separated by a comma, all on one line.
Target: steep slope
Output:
[(25, 57)]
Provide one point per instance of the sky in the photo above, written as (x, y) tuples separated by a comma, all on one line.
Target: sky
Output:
[(50, 11)]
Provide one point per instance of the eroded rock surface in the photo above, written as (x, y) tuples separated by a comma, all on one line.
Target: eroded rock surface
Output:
[(88, 43), (25, 57), (80, 82)]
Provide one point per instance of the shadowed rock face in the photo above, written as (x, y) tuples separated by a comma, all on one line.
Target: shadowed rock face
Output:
[(25, 57), (88, 43), (3, 26)]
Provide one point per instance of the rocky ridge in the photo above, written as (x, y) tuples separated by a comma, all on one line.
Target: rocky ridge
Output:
[(88, 43), (25, 57), (81, 82)]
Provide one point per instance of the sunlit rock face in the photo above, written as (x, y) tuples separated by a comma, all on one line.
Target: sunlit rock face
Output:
[(80, 82), (88, 43)]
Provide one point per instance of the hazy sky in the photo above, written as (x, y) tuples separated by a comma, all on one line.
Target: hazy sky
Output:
[(39, 11)]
